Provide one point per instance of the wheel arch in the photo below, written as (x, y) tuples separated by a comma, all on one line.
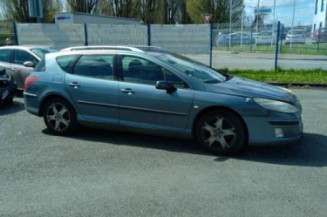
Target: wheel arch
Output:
[(49, 97), (220, 108)]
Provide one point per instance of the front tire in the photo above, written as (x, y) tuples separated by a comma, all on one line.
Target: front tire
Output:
[(59, 116), (220, 132)]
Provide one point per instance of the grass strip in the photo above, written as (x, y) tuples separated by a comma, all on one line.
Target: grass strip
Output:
[(316, 76)]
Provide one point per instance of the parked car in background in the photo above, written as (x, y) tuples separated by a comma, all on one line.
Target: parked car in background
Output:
[(19, 61), (7, 88), (237, 38), (262, 38), (158, 92), (295, 37), (320, 36)]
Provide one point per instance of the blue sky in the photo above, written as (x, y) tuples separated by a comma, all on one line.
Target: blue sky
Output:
[(304, 10)]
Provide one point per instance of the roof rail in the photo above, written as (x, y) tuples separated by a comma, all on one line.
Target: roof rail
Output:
[(102, 47)]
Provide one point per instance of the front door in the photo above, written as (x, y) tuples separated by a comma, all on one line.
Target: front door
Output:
[(144, 106)]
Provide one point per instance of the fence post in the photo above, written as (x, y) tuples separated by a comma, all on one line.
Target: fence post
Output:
[(86, 35), (15, 33), (277, 45), (251, 38), (319, 35), (210, 52), (149, 34)]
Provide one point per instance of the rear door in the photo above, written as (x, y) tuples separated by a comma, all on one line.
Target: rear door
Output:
[(93, 88)]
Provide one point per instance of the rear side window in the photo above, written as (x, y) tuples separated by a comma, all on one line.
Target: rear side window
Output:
[(66, 62), (5, 55), (96, 66)]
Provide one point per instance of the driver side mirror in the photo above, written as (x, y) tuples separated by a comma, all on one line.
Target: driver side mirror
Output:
[(165, 85), (29, 64)]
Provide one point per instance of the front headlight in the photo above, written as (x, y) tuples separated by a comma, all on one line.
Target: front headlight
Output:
[(276, 106)]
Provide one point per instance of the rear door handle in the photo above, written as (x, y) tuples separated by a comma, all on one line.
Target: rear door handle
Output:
[(128, 91), (74, 85)]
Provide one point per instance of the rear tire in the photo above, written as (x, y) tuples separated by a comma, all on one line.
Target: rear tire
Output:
[(220, 132), (59, 116)]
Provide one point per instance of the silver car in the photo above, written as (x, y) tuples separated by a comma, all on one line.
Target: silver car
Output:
[(19, 61)]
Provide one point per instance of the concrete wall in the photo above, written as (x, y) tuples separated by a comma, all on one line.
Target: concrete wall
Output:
[(184, 39), (59, 36), (101, 34)]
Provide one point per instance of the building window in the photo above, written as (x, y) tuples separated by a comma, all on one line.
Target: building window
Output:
[(322, 5), (314, 28), (316, 6)]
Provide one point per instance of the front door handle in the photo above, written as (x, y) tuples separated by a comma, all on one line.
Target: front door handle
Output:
[(74, 85), (128, 91)]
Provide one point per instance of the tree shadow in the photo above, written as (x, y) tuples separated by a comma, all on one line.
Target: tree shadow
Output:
[(11, 108), (310, 151)]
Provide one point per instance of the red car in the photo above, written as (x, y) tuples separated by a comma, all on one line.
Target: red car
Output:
[(320, 35)]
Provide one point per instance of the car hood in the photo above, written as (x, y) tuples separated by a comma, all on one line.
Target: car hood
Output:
[(254, 89)]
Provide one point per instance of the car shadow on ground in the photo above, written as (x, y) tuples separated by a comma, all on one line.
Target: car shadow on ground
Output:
[(11, 108), (137, 140), (310, 151)]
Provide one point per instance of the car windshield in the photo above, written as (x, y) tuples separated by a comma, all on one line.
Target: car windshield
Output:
[(191, 68), (40, 52)]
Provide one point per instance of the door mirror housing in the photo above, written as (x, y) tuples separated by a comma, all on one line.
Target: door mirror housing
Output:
[(29, 64), (165, 85)]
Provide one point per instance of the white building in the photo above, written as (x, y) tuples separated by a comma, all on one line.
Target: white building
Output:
[(75, 17), (320, 15)]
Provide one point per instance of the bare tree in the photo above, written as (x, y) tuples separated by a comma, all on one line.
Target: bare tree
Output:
[(85, 6), (122, 8)]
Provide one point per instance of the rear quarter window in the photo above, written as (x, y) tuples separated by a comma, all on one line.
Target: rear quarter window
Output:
[(66, 62), (40, 67)]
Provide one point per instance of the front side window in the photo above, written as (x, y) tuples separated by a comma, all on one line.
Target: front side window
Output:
[(139, 70), (21, 56), (5, 55), (96, 66), (191, 68)]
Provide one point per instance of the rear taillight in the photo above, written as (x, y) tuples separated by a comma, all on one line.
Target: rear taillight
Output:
[(30, 80)]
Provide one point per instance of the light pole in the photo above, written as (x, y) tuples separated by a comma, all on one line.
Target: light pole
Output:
[(230, 22), (242, 25), (273, 25), (292, 24)]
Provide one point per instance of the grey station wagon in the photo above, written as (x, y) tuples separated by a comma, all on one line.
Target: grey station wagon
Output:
[(154, 91)]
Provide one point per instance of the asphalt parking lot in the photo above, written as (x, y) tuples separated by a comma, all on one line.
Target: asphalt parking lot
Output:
[(105, 173)]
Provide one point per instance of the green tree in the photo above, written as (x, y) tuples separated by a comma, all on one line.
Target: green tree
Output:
[(220, 9), (17, 10)]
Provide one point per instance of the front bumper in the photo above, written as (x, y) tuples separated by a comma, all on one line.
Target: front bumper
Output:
[(275, 129)]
